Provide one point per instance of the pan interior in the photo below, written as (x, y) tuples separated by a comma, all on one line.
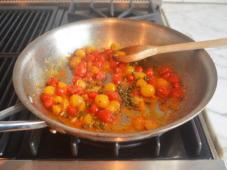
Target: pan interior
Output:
[(51, 50)]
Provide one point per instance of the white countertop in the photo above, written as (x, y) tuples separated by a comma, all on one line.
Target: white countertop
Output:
[(203, 22)]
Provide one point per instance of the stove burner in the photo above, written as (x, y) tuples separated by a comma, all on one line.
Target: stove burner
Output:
[(131, 11)]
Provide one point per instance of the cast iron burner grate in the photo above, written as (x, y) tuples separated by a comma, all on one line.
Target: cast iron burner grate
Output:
[(19, 27), (148, 11)]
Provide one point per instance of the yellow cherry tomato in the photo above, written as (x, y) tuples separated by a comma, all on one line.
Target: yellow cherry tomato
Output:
[(62, 84), (81, 83), (88, 120), (102, 100), (82, 106), (74, 61), (147, 90), (65, 103), (94, 69), (90, 49), (80, 53), (56, 109), (49, 90), (129, 69), (58, 99), (160, 82), (114, 106), (140, 82), (139, 75), (75, 100), (110, 87)]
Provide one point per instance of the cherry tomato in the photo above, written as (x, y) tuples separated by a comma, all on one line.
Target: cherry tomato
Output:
[(75, 78), (174, 78), (47, 100), (92, 94), (61, 91), (102, 100), (139, 69), (105, 116), (113, 95), (130, 78), (163, 92), (164, 70), (81, 69), (71, 110), (147, 90), (149, 72), (177, 93), (117, 78), (53, 81), (72, 89), (101, 75), (94, 108), (99, 64), (152, 80)]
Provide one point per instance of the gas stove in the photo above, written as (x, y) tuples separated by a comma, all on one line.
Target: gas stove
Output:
[(20, 23)]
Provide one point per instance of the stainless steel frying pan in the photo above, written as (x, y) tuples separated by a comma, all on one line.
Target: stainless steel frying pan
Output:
[(195, 67)]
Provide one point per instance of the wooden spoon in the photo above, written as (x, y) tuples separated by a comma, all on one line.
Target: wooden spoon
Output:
[(139, 52)]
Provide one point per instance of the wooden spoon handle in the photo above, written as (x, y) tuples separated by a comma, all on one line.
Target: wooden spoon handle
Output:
[(192, 45)]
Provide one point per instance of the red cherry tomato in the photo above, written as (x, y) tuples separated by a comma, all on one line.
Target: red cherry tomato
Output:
[(75, 78), (53, 81), (130, 78), (163, 92), (174, 79), (118, 70), (99, 64), (47, 100), (113, 95), (81, 69), (117, 78), (72, 89), (177, 93), (149, 72), (164, 70), (61, 91), (71, 110), (94, 109), (139, 69), (92, 94), (152, 80), (101, 75), (105, 116)]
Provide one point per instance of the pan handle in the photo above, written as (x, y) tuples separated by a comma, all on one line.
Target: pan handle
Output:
[(11, 126), (11, 110)]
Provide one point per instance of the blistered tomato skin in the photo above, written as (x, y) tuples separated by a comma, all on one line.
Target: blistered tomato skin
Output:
[(71, 110), (94, 109), (149, 72), (103, 91), (105, 116), (47, 100), (52, 81)]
